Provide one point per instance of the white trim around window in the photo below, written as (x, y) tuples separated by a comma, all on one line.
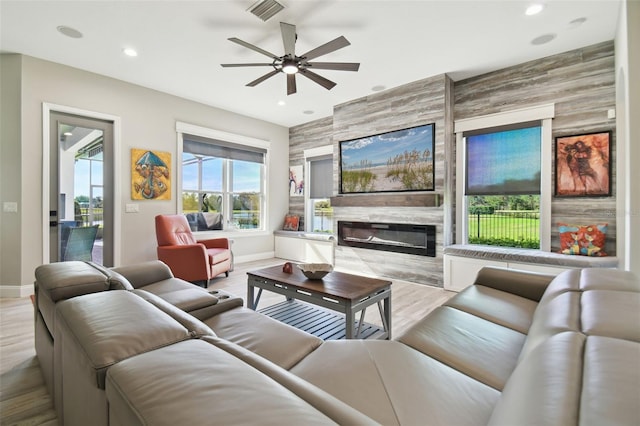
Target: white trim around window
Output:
[(192, 129), (543, 113), (310, 154)]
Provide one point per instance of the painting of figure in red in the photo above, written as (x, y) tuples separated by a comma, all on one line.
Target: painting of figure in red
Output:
[(583, 165)]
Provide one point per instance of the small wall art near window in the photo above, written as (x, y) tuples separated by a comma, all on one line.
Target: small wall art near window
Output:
[(150, 175), (583, 166), (291, 222), (296, 181), (401, 160)]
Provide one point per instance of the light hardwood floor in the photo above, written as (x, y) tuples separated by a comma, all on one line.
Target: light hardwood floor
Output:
[(25, 401)]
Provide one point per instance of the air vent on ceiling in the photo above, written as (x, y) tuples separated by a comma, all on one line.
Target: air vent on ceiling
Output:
[(265, 9)]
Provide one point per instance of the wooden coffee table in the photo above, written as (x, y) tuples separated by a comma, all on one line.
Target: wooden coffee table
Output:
[(344, 293)]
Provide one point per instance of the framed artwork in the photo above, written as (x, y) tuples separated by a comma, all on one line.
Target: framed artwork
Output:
[(150, 175), (583, 166), (291, 222), (296, 181)]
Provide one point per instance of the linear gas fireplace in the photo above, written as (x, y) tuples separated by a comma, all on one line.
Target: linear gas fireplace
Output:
[(395, 237)]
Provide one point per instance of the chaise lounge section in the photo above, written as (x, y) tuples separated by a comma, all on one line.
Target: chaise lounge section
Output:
[(516, 347)]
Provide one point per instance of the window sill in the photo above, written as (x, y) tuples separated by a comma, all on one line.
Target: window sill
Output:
[(321, 236), (249, 233)]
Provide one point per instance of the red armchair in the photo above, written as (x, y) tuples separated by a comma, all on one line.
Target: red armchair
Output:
[(187, 258)]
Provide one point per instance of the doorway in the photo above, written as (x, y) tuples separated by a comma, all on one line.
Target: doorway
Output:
[(81, 188)]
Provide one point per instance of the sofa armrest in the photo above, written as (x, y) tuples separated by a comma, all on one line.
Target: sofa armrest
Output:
[(530, 285), (142, 274), (188, 262), (221, 243)]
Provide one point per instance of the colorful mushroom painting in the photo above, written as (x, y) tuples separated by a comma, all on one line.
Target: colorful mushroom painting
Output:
[(150, 175)]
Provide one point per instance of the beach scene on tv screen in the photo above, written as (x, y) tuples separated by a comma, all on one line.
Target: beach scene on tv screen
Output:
[(401, 160)]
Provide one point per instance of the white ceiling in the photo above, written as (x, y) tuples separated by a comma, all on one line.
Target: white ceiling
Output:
[(181, 44)]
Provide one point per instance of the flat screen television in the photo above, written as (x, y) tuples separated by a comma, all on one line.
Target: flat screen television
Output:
[(396, 161)]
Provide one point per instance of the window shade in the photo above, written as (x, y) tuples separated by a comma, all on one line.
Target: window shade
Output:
[(321, 175), (504, 162), (221, 149)]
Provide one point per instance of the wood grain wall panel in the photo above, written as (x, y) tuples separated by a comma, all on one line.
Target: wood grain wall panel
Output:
[(581, 84), (305, 136), (413, 104)]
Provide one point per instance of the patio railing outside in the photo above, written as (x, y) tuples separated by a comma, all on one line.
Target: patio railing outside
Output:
[(508, 228)]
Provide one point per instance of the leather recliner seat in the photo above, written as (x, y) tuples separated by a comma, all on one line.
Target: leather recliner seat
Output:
[(516, 347)]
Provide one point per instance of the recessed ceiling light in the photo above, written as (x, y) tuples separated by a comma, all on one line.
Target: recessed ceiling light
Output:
[(577, 22), (69, 32), (308, 112), (534, 9), (282, 103), (130, 52), (543, 39), (378, 88)]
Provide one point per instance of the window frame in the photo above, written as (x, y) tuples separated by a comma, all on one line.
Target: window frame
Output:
[(543, 113), (309, 155), (191, 129)]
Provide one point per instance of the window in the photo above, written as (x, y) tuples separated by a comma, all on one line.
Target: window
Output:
[(504, 188), (222, 183), (319, 212)]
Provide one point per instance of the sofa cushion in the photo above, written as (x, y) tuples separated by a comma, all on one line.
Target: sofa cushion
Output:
[(553, 316), (195, 328), (474, 346), (145, 273), (611, 313), (397, 385), (497, 306), (111, 326), (157, 388), (280, 343), (592, 301), (217, 255), (610, 382), (545, 387)]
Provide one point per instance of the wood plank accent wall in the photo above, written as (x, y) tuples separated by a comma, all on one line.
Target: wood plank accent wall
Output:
[(412, 104), (417, 103), (581, 83), (306, 136)]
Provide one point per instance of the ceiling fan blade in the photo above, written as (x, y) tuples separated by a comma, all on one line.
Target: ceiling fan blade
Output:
[(329, 47), (291, 84), (245, 65), (252, 47), (339, 66), (263, 78), (288, 38), (327, 84)]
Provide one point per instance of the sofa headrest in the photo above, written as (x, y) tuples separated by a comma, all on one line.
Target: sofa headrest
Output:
[(64, 280)]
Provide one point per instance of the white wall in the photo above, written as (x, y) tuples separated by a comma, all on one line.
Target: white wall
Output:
[(627, 46), (148, 120)]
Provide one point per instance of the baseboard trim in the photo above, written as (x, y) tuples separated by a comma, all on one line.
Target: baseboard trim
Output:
[(254, 257), (16, 291)]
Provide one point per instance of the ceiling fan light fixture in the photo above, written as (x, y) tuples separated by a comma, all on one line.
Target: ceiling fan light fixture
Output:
[(290, 68)]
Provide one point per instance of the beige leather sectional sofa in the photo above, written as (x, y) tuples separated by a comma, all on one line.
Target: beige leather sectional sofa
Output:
[(135, 346)]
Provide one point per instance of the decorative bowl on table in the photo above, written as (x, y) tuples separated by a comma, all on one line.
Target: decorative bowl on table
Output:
[(315, 271)]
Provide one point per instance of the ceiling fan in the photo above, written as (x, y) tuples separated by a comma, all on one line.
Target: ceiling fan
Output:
[(291, 64)]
